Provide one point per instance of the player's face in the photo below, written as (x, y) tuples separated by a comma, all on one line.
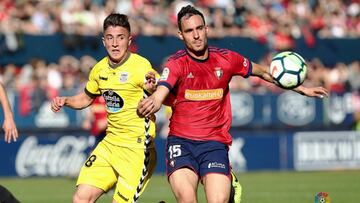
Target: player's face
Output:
[(194, 34), (116, 41)]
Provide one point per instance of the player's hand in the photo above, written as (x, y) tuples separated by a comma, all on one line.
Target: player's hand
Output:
[(319, 92), (150, 81), (10, 129), (146, 107), (57, 103)]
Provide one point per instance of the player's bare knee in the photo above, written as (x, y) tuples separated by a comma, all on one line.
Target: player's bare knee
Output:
[(217, 198), (186, 197), (78, 199), (81, 197)]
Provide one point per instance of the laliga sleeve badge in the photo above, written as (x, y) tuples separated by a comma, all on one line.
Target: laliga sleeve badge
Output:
[(165, 74)]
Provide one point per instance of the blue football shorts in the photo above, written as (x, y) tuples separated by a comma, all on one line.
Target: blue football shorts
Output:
[(202, 157)]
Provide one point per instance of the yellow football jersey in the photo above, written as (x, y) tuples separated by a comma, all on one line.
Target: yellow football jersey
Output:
[(122, 88)]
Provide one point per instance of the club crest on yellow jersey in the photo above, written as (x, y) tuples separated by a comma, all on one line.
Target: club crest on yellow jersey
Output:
[(124, 76)]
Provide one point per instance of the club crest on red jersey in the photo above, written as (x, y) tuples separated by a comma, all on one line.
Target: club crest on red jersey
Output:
[(218, 72)]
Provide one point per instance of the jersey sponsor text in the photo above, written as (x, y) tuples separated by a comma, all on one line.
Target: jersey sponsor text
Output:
[(204, 95)]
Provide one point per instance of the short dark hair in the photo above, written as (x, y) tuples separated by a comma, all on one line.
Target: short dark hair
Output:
[(116, 19), (188, 11)]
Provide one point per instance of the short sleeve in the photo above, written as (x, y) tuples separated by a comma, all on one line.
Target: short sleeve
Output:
[(240, 65), (170, 74), (92, 86)]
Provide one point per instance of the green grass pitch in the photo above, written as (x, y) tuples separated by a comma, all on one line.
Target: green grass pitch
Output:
[(258, 187)]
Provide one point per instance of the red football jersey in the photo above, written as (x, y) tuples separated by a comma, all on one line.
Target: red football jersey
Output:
[(202, 110)]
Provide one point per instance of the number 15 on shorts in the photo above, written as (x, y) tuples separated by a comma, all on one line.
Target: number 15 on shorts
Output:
[(174, 151)]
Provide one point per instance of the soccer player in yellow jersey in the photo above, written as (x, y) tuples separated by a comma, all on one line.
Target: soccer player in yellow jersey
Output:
[(126, 156)]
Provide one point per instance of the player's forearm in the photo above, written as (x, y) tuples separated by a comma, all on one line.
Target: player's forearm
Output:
[(6, 108), (78, 102), (262, 72), (158, 97), (5, 103), (157, 102)]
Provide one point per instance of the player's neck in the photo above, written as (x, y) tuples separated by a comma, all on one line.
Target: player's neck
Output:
[(199, 55), (115, 64)]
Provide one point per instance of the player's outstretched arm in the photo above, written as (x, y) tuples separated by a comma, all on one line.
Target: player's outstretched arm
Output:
[(152, 104), (9, 125), (79, 101), (320, 92), (263, 72)]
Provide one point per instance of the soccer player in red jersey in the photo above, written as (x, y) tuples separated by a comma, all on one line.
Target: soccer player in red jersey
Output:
[(198, 80)]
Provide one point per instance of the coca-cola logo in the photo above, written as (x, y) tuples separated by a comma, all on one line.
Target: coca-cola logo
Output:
[(63, 158)]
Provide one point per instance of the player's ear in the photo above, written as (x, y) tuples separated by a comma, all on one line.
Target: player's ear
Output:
[(103, 40), (206, 29), (180, 35), (130, 40)]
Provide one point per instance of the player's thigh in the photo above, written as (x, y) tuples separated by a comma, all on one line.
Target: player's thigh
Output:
[(215, 171), (217, 187), (135, 168), (97, 170), (213, 158), (184, 183)]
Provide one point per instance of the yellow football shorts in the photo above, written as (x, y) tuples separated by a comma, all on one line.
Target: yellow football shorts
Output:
[(109, 164)]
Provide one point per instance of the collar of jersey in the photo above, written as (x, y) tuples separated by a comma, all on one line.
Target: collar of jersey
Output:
[(198, 60), (114, 66)]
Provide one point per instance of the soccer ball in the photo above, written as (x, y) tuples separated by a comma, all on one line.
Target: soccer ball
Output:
[(288, 69)]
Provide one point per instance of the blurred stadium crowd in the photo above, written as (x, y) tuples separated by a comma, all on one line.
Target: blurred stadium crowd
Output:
[(251, 18), (38, 81), (276, 23)]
